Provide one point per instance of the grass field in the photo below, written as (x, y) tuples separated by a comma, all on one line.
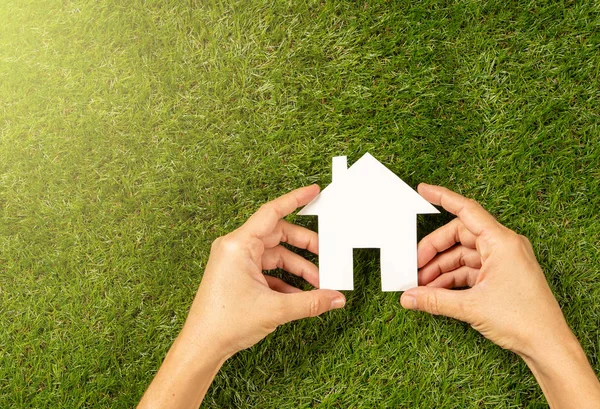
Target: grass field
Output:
[(133, 133)]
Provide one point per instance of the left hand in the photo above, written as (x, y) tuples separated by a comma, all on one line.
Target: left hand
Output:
[(237, 305)]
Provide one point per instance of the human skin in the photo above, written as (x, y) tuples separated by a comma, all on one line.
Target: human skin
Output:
[(237, 305), (508, 300)]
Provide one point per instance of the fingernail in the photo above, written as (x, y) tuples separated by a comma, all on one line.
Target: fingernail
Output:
[(409, 302), (337, 303)]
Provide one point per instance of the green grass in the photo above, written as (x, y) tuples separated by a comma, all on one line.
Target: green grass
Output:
[(133, 133)]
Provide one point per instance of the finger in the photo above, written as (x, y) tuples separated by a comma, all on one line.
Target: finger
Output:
[(310, 303), (277, 284), (297, 236), (461, 277), (449, 260), (442, 239), (280, 257), (265, 219), (438, 301), (475, 217)]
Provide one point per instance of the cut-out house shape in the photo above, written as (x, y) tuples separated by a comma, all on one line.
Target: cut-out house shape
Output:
[(367, 206)]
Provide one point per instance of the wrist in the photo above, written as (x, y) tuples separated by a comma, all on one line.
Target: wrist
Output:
[(185, 375), (564, 374), (548, 346), (553, 353), (199, 348)]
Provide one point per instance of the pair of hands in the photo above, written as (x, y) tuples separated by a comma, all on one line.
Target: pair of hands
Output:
[(508, 301)]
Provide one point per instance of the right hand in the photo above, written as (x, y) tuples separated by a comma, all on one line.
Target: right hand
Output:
[(509, 301)]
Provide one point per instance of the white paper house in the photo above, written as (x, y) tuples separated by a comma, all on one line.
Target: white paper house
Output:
[(367, 206)]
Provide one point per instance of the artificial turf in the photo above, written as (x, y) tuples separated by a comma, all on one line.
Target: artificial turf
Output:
[(133, 133)]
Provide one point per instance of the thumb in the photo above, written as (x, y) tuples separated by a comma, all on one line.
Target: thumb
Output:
[(438, 301), (310, 303)]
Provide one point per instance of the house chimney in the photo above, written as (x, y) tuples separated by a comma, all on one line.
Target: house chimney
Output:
[(338, 167)]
